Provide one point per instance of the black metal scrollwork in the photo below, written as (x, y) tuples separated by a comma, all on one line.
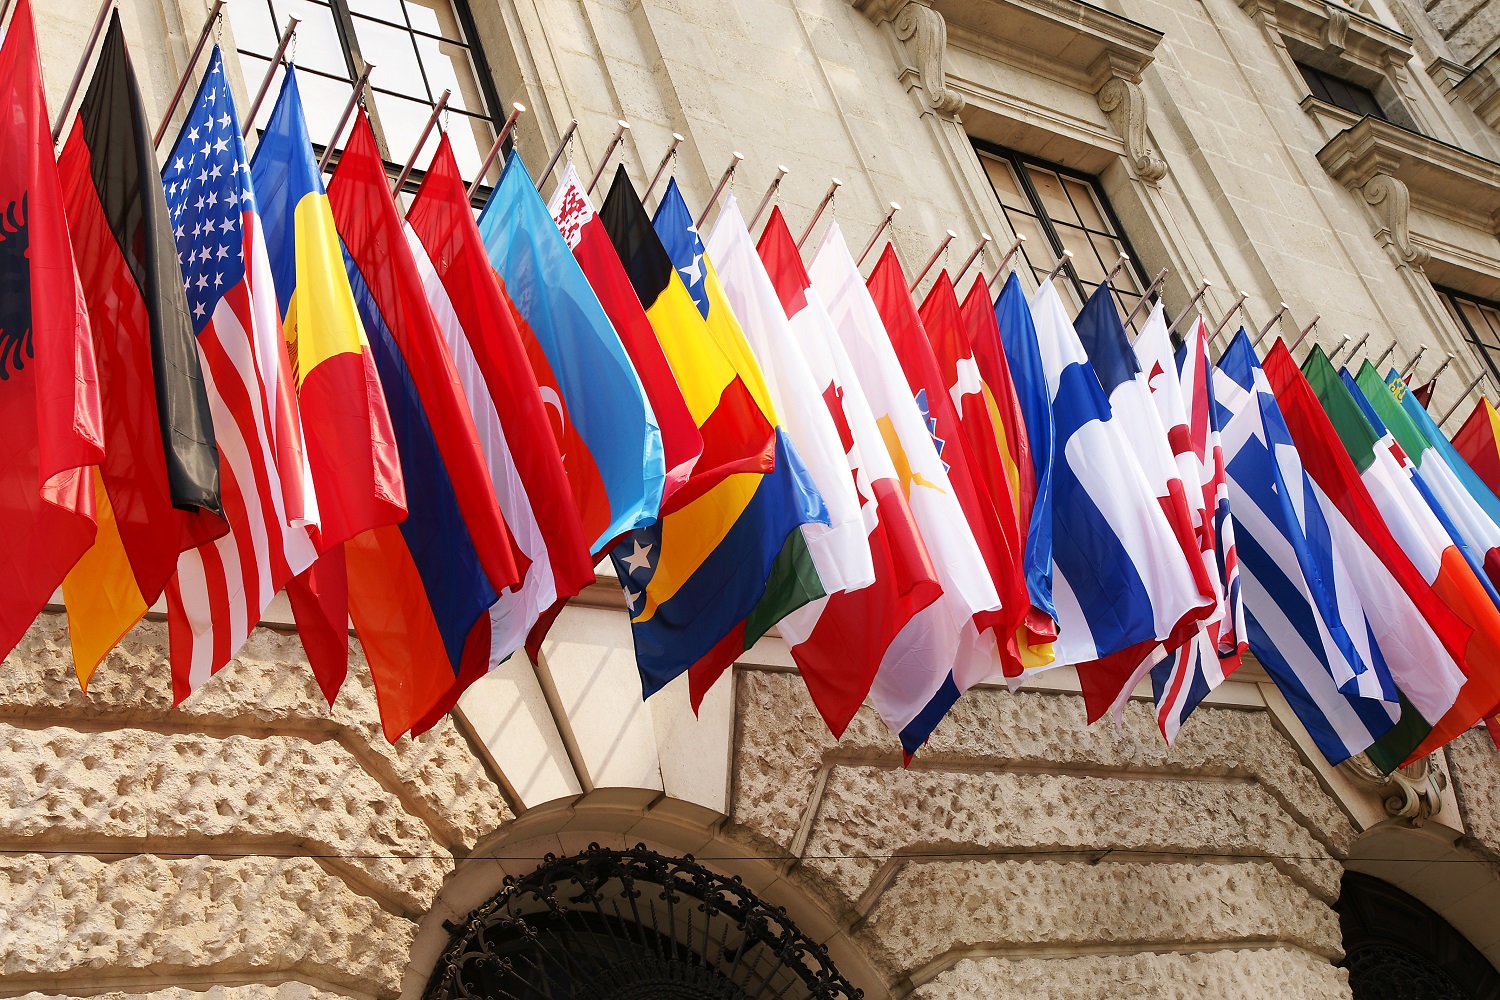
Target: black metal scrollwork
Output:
[(632, 925)]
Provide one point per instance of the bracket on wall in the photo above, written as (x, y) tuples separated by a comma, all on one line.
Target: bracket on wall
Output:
[(924, 35), (1123, 103), (1413, 793)]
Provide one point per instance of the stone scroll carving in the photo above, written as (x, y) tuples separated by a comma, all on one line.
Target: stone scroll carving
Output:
[(1123, 102), (926, 36), (1336, 32), (1413, 793), (1391, 203)]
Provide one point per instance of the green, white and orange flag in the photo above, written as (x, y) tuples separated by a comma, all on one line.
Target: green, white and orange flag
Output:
[(1449, 696)]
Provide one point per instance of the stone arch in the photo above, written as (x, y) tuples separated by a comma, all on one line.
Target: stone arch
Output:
[(621, 818)]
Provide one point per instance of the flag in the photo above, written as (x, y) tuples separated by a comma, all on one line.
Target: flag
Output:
[(1303, 621), (903, 326), (1003, 420), (1449, 695), (49, 385), (1022, 352), (1184, 401), (1121, 580), (839, 550), (948, 341), (941, 646), (477, 321), (222, 587), (160, 476), (418, 593), (351, 445), (1423, 393), (606, 430), (580, 225), (839, 642), (709, 578), (1478, 443), (720, 383)]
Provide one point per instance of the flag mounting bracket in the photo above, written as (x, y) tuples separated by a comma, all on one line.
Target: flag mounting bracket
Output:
[(818, 212), (1202, 289), (949, 238), (666, 158), (516, 111), (985, 239), (1151, 289), (884, 223), (621, 127), (287, 34), (765, 200), (557, 153), (734, 162)]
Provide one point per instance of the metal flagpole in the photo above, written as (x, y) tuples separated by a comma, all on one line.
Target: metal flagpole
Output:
[(1155, 285), (1062, 262), (1461, 397), (1305, 331), (765, 200), (1412, 365), (1191, 302), (984, 240), (411, 161), (265, 82), (665, 159), (83, 62), (517, 110), (818, 213), (1340, 345), (1124, 259), (713, 199), (1009, 256), (557, 153), (878, 230), (1238, 305), (1269, 323), (1432, 379), (933, 259), (1380, 360), (1356, 348), (187, 71), (621, 127), (4, 9), (354, 96)]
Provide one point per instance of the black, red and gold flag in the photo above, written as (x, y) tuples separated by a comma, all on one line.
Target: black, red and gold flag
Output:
[(49, 395), (158, 486)]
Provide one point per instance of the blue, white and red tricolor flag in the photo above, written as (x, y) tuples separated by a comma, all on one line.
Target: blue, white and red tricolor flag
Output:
[(1184, 398), (221, 588), (1303, 618)]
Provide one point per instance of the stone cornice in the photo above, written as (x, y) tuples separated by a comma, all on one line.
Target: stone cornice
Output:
[(1334, 29), (1442, 179), (1480, 89)]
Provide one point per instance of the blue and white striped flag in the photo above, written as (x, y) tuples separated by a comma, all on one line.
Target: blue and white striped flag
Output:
[(1305, 622)]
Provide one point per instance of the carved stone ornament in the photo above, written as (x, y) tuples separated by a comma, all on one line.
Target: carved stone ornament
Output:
[(926, 36), (1337, 31), (1391, 202), (1414, 792), (1125, 105)]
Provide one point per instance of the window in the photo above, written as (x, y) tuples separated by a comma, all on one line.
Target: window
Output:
[(1057, 209), (1341, 93), (419, 49), (1479, 319)]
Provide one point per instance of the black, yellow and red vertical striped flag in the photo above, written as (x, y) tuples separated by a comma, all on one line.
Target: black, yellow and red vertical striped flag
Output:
[(158, 486)]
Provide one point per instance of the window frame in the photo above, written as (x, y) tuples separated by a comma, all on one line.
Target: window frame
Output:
[(1319, 79), (1018, 162), (1450, 295)]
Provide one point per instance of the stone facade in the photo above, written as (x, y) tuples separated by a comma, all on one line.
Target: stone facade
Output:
[(255, 843)]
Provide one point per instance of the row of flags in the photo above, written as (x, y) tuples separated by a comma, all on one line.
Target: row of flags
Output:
[(221, 378)]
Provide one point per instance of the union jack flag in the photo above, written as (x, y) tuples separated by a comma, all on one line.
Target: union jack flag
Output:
[(221, 588)]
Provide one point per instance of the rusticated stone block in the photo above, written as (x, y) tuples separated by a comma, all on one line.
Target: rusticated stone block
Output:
[(867, 814), (252, 991), (1127, 905), (144, 789), (1474, 763), (1268, 974), (268, 684), (784, 742), (77, 916)]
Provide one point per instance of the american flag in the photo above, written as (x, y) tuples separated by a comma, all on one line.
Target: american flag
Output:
[(221, 589)]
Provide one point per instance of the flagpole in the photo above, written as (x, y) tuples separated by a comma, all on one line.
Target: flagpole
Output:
[(354, 95), (1009, 255), (984, 240), (1155, 285), (187, 71), (1461, 397), (1269, 323), (1238, 305), (83, 62), (734, 163), (933, 259), (885, 222), (1124, 259), (411, 161), (665, 159), (1380, 360), (765, 200), (1191, 302), (562, 144), (1340, 345), (818, 213), (516, 111), (621, 127), (1062, 262), (1412, 365), (292, 21), (1358, 344), (1432, 379), (4, 9), (1305, 331)]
